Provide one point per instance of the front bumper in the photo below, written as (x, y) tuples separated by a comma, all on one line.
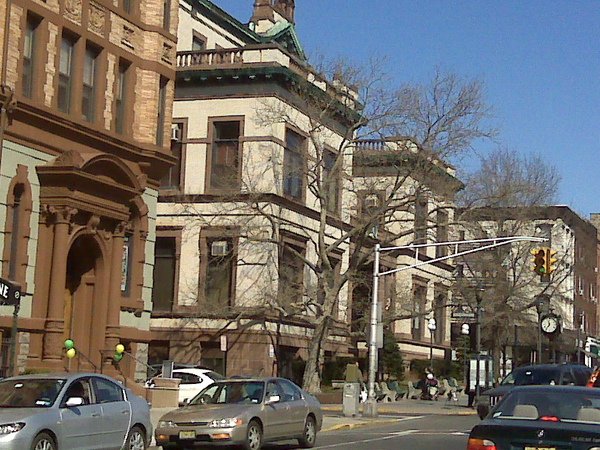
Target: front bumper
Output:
[(15, 441), (190, 436)]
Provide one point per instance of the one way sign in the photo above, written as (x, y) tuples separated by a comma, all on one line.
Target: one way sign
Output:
[(10, 293)]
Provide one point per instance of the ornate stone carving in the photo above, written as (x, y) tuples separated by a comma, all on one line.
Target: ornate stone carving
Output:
[(127, 38), (69, 158), (120, 228), (92, 223), (97, 18), (167, 53), (73, 10)]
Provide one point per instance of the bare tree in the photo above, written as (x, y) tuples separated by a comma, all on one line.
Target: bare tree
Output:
[(504, 197), (352, 129)]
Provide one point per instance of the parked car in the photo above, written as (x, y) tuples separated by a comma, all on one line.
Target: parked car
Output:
[(246, 412), (62, 411), (193, 380), (541, 417), (540, 374)]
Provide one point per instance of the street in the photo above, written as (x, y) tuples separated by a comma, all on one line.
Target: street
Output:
[(431, 432)]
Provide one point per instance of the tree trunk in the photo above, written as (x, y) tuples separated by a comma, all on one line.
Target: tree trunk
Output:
[(311, 381)]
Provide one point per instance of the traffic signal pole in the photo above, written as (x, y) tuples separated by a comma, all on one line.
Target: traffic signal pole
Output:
[(484, 244)]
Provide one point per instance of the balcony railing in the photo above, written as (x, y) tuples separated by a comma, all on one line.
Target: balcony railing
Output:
[(266, 55)]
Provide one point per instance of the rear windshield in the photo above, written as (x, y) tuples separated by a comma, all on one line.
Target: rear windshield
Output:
[(214, 375), (550, 405), (522, 377)]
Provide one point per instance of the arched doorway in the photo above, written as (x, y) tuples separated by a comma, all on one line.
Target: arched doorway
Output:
[(85, 319)]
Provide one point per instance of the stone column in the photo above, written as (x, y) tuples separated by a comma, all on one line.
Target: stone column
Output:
[(114, 290), (55, 319)]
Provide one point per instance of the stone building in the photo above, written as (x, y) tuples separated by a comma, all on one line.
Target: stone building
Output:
[(87, 90)]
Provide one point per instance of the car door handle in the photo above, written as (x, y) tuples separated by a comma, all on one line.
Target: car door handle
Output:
[(95, 414), (125, 412)]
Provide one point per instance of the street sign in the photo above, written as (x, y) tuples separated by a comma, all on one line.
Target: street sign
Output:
[(9, 293), (462, 313)]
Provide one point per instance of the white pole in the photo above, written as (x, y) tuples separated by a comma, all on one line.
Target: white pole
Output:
[(371, 403)]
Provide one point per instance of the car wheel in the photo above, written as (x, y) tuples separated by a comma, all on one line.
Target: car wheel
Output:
[(309, 437), (253, 436), (136, 439), (43, 441)]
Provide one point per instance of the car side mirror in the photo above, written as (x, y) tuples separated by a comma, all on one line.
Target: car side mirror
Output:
[(273, 399), (74, 401)]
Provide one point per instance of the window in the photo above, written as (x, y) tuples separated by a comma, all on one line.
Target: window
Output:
[(225, 158), (166, 14), (198, 42), (291, 272), (17, 228), (88, 103), (172, 178), (126, 263), (417, 321), (442, 233), (219, 266), (293, 165), (330, 187), (439, 314), (121, 96), (160, 118), (29, 48), (127, 6), (107, 392), (421, 220), (65, 73), (165, 264), (290, 392)]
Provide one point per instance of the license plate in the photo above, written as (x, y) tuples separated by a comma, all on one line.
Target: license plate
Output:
[(539, 448), (187, 435)]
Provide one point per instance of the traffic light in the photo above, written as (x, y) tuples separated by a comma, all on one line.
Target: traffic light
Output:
[(70, 348), (119, 350), (550, 261), (539, 261)]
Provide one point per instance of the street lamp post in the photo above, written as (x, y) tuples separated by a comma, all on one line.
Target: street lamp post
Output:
[(465, 330), (431, 325)]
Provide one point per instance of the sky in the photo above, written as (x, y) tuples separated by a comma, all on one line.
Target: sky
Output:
[(538, 59)]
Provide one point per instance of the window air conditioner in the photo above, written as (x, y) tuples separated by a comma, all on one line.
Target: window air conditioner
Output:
[(175, 133), (218, 248), (371, 201)]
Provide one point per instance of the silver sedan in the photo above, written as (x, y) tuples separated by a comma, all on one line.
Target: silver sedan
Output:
[(71, 411), (246, 412)]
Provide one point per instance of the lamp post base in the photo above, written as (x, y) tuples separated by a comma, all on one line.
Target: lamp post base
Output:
[(370, 408)]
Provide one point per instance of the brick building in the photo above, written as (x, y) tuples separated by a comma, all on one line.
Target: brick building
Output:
[(87, 89)]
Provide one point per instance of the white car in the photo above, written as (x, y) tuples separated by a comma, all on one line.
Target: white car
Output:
[(193, 380)]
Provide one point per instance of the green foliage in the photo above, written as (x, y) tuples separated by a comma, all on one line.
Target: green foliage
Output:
[(391, 357), (333, 369)]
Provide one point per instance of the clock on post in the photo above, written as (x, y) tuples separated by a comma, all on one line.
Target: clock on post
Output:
[(550, 323)]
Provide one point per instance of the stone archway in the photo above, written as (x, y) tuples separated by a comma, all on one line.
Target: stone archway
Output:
[(84, 312)]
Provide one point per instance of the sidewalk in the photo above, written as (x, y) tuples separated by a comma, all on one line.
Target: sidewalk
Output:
[(415, 407)]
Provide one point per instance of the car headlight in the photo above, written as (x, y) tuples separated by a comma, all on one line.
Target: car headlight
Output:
[(166, 424), (7, 428), (225, 423)]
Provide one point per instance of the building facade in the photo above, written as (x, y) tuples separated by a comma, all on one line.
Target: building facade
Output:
[(89, 88)]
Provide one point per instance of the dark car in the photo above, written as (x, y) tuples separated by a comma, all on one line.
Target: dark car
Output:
[(541, 417), (540, 374)]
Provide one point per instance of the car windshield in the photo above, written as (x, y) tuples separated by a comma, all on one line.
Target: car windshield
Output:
[(532, 376), (228, 392), (29, 393), (214, 375), (551, 406)]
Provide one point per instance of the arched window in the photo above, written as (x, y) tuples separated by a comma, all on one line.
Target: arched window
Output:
[(17, 230), (134, 254)]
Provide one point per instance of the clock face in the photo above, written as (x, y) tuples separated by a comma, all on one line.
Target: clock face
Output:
[(549, 324)]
